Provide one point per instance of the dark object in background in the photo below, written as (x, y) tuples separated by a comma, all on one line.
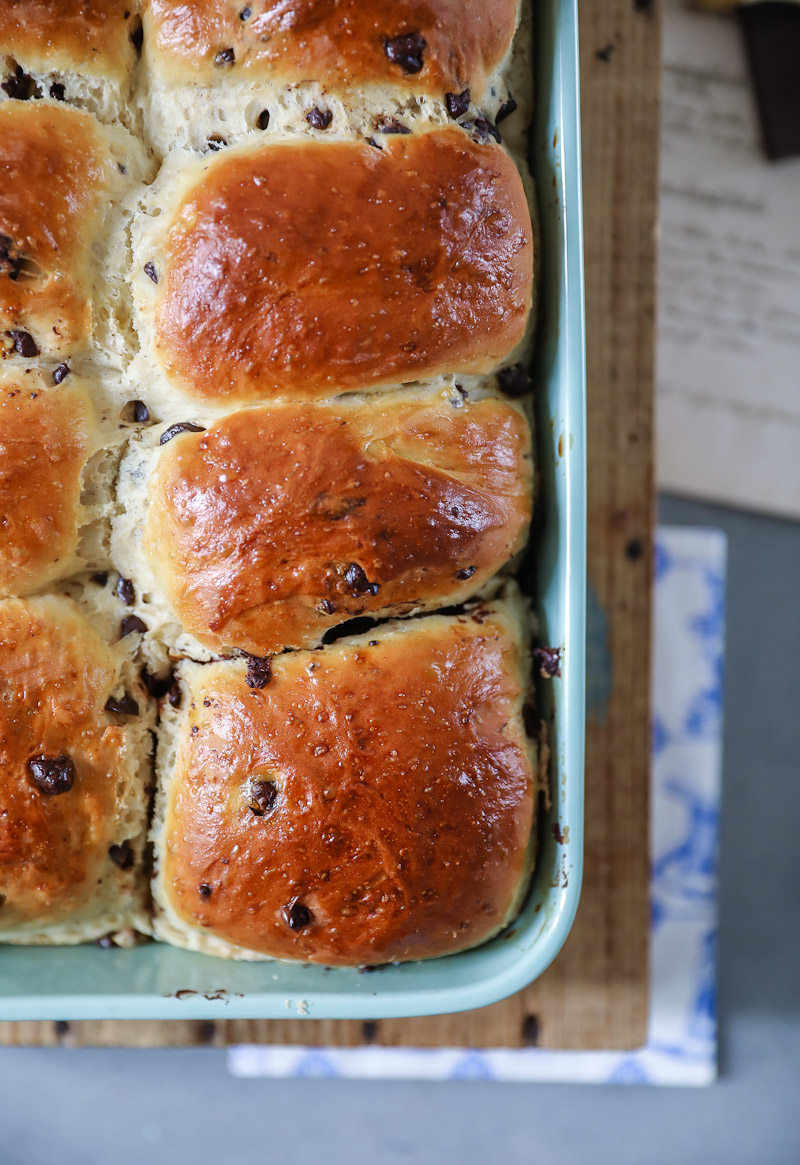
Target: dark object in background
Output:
[(772, 32)]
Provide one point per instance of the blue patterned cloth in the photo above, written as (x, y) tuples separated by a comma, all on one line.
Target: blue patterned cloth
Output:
[(686, 781)]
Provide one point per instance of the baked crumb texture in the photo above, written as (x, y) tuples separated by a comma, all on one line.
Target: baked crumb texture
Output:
[(267, 297)]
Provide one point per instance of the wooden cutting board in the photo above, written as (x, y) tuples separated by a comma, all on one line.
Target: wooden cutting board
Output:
[(596, 993)]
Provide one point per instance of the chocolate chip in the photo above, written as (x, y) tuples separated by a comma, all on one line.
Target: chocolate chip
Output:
[(141, 413), (356, 579), (246, 13), (122, 855), (154, 686), (124, 706), (263, 797), (486, 129), (514, 382), (130, 624), (466, 573), (101, 578), (181, 427), (549, 661), (61, 1028), (389, 125), (57, 91), (106, 943), (457, 103), (296, 915), (405, 51), (215, 142), (326, 607), (150, 270), (10, 260), (319, 118), (20, 85), (259, 671), (225, 57), (372, 142), (52, 774), (175, 693), (137, 37), (125, 591), (505, 110), (262, 121), (24, 343), (60, 373), (204, 890), (373, 643)]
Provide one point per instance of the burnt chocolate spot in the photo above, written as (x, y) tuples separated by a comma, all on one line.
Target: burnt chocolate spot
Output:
[(457, 103), (296, 915), (130, 624), (150, 270), (486, 129), (514, 382), (204, 890), (326, 607), (246, 13), (225, 57), (549, 661), (389, 125), (124, 706), (101, 578), (52, 774), (262, 121), (57, 91), (319, 118), (122, 855), (263, 797), (357, 580), (24, 343), (406, 51), (60, 373), (141, 413), (125, 591), (20, 85), (259, 671), (181, 427), (506, 109), (466, 573)]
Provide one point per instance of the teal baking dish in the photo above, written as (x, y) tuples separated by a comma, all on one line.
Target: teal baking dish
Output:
[(160, 982)]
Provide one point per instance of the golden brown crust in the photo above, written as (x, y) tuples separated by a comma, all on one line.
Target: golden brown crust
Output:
[(58, 157), (404, 806), (46, 437), (70, 35), (312, 268), (56, 675), (280, 522), (457, 42)]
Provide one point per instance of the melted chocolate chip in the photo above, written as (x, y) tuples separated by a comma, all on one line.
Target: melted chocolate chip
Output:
[(466, 573), (389, 125), (204, 890), (296, 915), (52, 774), (549, 661), (20, 85), (181, 427), (326, 607), (150, 270), (406, 51), (101, 578), (505, 110), (356, 579), (531, 720), (122, 855), (10, 260), (125, 591), (486, 129), (259, 671), (514, 382), (262, 120), (60, 373), (141, 413), (457, 103), (124, 706), (263, 797), (246, 13), (225, 57), (319, 118), (57, 91), (130, 624), (24, 343)]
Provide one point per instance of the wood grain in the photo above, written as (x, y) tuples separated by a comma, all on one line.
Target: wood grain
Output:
[(596, 993)]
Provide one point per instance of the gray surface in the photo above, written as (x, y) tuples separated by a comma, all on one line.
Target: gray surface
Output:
[(181, 1107)]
